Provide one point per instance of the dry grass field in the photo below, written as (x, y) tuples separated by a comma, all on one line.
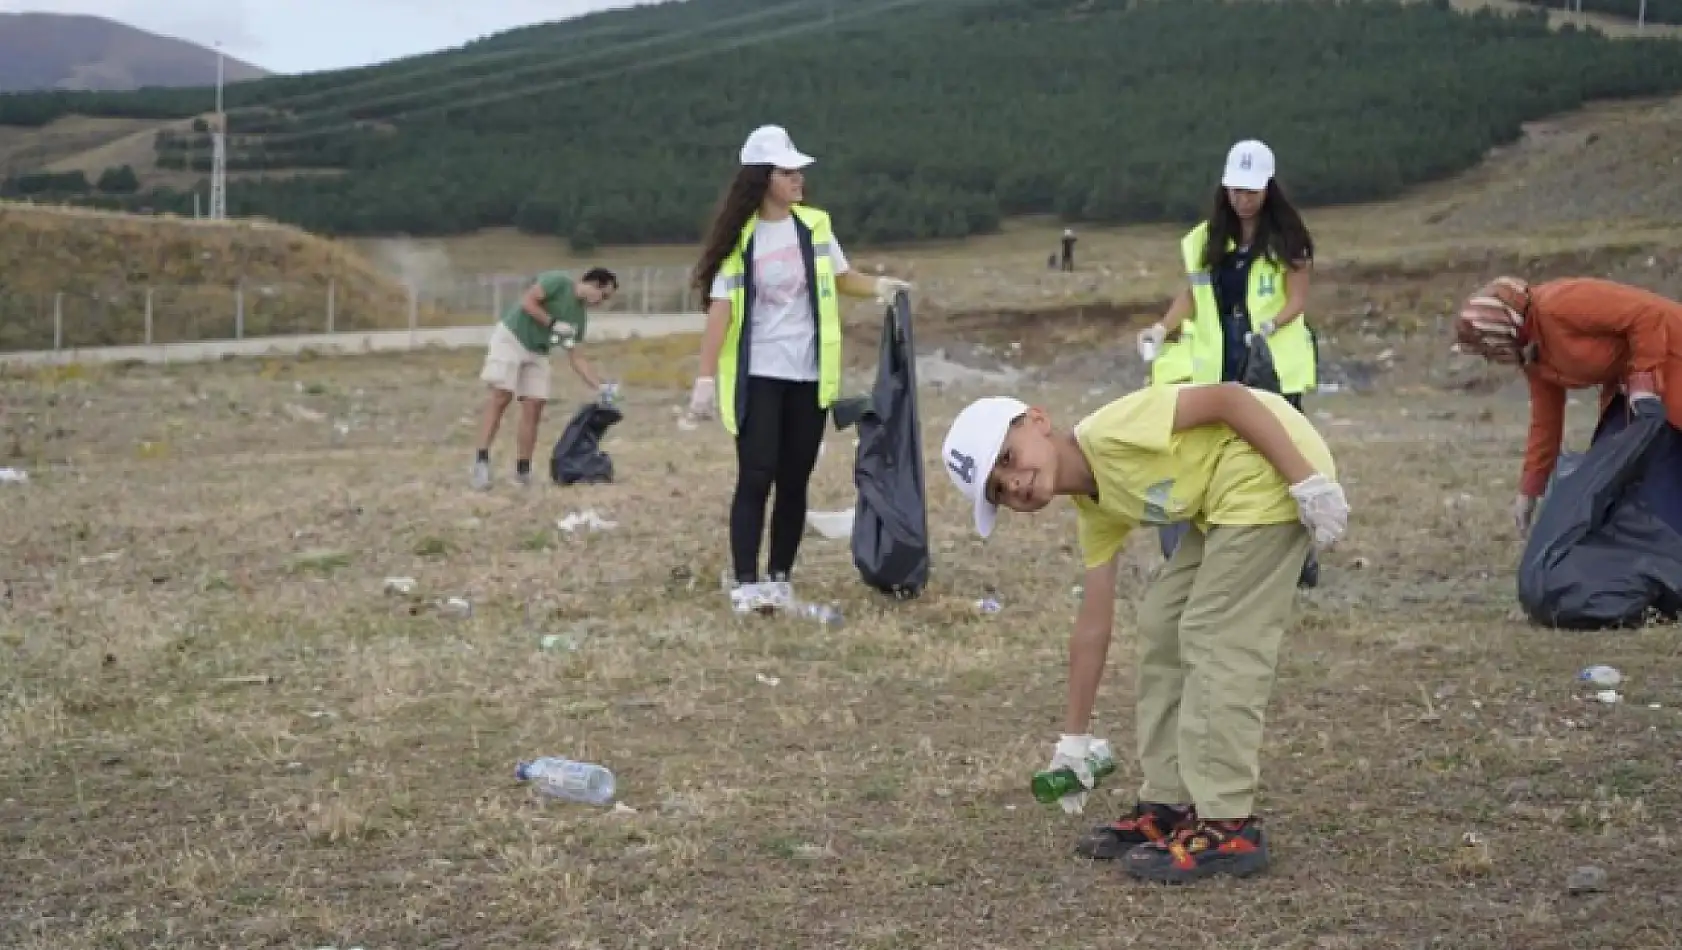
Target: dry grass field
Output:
[(218, 730)]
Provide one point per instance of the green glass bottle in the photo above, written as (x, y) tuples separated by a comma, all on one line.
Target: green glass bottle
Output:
[(1049, 786)]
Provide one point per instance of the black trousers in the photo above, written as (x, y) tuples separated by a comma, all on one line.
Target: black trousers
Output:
[(777, 444)]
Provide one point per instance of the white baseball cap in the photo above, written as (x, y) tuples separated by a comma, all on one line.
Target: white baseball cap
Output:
[(972, 448), (1248, 166), (770, 145)]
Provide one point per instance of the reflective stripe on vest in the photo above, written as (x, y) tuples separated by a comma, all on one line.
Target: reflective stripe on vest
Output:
[(816, 238), (1292, 344)]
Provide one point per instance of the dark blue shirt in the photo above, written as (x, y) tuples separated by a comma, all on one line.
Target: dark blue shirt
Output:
[(1232, 297)]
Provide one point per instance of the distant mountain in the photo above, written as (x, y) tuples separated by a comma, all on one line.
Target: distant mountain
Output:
[(40, 51)]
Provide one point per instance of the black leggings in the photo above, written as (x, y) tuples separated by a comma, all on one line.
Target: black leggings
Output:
[(777, 444)]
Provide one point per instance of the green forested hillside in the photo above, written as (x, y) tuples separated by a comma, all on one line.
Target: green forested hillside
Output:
[(930, 118)]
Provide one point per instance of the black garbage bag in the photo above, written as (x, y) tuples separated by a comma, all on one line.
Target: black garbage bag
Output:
[(1597, 557), (1257, 371), (578, 455), (890, 518)]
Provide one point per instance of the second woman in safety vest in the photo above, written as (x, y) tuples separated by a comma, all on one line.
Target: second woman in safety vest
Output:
[(1247, 270), (771, 353)]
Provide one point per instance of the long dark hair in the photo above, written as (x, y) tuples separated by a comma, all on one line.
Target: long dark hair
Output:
[(1280, 233), (740, 201)]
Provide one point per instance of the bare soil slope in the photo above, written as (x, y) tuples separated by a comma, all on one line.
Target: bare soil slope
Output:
[(100, 267)]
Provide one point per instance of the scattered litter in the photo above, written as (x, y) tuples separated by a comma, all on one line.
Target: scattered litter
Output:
[(1472, 858), (565, 779), (99, 558), (989, 604), (767, 680), (457, 607), (1608, 696), (258, 679), (13, 476), (1607, 676), (559, 641), (1655, 705), (304, 413), (822, 613), (400, 585), (834, 525), (585, 519), (1359, 564), (620, 808), (1587, 879)]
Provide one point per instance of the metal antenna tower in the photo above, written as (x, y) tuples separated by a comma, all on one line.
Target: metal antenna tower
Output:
[(219, 151)]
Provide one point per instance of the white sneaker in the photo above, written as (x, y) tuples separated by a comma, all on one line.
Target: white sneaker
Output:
[(751, 598), (481, 475), (780, 593)]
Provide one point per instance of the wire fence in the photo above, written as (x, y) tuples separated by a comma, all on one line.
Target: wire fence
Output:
[(129, 315)]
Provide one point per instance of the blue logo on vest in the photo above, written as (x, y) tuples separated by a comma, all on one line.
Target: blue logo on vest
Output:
[(1265, 286)]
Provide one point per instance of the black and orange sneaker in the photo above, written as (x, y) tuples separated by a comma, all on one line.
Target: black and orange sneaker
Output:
[(1199, 850), (1146, 823)]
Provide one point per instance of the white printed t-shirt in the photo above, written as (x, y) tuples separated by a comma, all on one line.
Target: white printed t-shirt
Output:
[(784, 344)]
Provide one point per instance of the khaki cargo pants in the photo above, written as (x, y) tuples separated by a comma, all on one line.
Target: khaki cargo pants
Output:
[(1209, 633)]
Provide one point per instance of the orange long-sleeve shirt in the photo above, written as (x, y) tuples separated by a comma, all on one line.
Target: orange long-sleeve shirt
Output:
[(1591, 332)]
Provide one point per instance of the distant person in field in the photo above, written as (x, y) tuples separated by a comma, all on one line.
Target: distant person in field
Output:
[(1247, 270), (771, 353), (1068, 258), (552, 312), (1574, 333)]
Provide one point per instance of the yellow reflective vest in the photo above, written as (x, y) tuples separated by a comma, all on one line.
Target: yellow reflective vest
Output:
[(816, 236), (1197, 356)]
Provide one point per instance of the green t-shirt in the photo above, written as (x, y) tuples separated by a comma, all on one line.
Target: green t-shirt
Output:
[(564, 308)]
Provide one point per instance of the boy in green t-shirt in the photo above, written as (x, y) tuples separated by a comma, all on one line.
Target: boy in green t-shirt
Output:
[(1257, 484), (553, 311)]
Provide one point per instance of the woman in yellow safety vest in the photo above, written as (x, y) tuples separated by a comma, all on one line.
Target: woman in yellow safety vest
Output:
[(1248, 270), (771, 352)]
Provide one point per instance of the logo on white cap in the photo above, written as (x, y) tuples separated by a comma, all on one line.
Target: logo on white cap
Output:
[(771, 145), (1249, 165), (972, 449)]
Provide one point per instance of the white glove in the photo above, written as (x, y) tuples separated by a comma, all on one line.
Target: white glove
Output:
[(1524, 509), (607, 394), (888, 287), (1071, 753), (703, 399), (1322, 507), (1267, 329), (1150, 341)]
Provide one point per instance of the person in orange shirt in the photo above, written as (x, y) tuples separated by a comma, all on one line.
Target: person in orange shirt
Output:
[(1577, 332)]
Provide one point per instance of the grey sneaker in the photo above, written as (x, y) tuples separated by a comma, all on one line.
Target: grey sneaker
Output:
[(524, 478), (481, 475)]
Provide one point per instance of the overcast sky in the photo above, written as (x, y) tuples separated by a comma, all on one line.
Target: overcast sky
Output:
[(293, 36)]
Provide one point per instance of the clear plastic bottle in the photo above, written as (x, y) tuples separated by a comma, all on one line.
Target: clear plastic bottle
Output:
[(822, 613), (571, 781)]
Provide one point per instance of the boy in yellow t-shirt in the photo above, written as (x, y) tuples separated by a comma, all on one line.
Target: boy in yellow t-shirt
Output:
[(1258, 485)]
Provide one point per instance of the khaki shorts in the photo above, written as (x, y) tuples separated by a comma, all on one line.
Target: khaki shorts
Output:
[(512, 368)]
